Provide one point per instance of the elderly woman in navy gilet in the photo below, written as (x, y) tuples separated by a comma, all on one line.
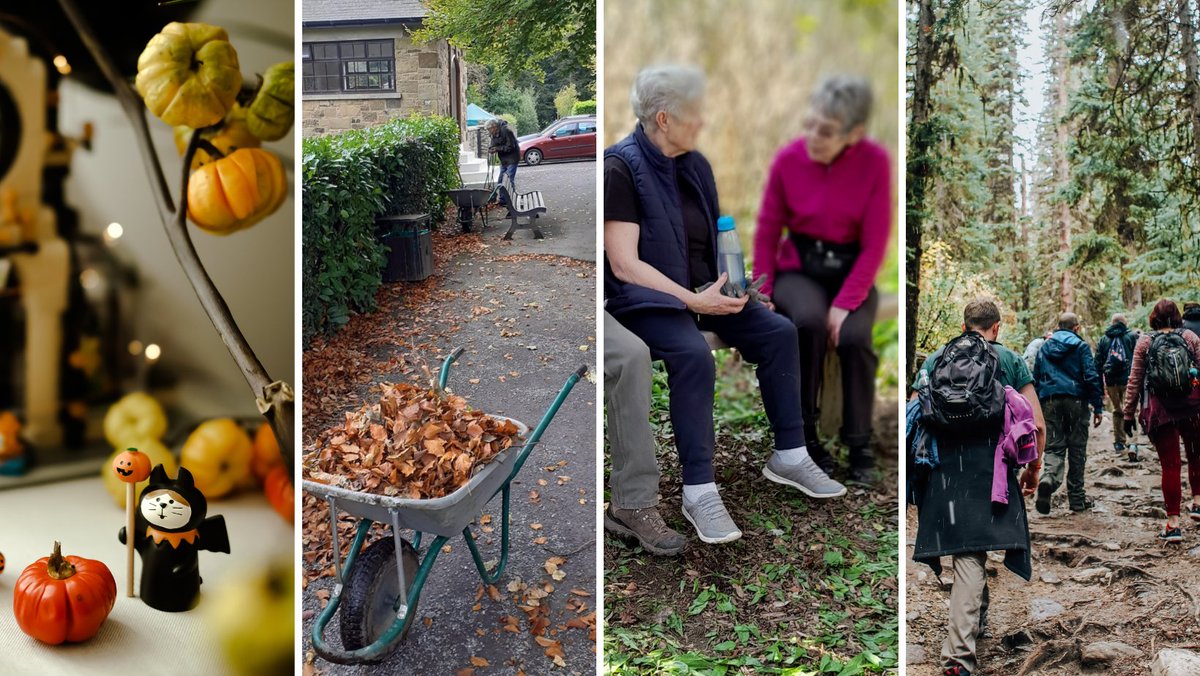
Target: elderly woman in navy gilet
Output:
[(660, 213)]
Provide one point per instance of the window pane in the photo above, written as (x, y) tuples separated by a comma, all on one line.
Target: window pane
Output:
[(306, 51)]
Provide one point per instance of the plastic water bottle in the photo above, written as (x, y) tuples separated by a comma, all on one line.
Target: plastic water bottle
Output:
[(729, 253)]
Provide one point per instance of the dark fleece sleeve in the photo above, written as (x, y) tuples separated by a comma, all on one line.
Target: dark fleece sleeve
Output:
[(1092, 389)]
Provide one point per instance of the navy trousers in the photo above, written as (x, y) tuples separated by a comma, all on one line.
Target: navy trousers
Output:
[(765, 339)]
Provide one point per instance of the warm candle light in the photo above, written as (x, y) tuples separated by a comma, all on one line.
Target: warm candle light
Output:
[(153, 352), (60, 62), (135, 347), (114, 231)]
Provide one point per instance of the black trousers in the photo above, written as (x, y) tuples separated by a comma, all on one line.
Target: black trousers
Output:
[(764, 338), (806, 301)]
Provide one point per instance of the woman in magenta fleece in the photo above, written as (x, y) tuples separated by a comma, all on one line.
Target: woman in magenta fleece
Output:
[(823, 230)]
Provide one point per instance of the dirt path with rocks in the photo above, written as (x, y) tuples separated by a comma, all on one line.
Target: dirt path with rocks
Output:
[(1106, 594)]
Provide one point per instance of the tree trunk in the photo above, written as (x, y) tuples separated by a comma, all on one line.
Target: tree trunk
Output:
[(1191, 63), (920, 144), (1062, 168)]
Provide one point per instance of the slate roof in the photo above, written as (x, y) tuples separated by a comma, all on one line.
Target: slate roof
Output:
[(361, 12)]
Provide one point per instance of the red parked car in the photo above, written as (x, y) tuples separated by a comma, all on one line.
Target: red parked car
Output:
[(568, 138)]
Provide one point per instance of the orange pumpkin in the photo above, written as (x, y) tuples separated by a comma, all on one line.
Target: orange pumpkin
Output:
[(266, 452), (59, 598), (1, 563), (10, 435), (236, 191), (281, 493), (131, 466), (233, 133), (217, 453)]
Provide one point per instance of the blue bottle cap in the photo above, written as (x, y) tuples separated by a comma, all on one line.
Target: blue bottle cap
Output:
[(725, 223)]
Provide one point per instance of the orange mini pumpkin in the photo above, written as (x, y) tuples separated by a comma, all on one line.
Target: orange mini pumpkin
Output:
[(131, 466), (10, 436), (59, 598), (266, 452), (236, 191), (280, 492), (1, 563)]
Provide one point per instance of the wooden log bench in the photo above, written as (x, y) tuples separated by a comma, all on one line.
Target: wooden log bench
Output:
[(527, 205), (830, 396)]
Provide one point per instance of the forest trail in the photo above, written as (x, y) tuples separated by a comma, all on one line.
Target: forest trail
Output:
[(1098, 576)]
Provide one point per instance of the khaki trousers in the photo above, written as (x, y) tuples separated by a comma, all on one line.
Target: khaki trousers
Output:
[(968, 603)]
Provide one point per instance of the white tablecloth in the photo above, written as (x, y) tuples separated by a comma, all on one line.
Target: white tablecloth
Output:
[(136, 640)]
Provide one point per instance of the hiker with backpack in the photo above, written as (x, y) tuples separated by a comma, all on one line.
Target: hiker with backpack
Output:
[(1163, 383), (974, 419), (1191, 317), (1032, 348), (1067, 383), (1114, 354)]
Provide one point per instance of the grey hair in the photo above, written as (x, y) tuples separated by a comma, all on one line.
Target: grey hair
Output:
[(845, 98), (668, 87), (491, 123), (1118, 318)]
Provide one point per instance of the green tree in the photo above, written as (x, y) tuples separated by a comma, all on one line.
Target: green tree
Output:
[(565, 100), (515, 37)]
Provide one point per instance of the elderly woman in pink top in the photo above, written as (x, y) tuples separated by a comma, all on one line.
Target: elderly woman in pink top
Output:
[(822, 233)]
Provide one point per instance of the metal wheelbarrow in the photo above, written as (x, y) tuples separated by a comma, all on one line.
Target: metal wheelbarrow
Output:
[(378, 588)]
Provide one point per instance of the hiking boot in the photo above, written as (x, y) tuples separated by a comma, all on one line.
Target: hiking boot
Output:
[(1118, 447), (822, 458), (1171, 535), (1133, 452), (1194, 512), (956, 670), (1088, 503), (1042, 504), (710, 519), (646, 526), (805, 476), (862, 466)]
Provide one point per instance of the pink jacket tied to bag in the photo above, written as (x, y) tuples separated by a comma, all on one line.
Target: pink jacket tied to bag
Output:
[(1018, 442)]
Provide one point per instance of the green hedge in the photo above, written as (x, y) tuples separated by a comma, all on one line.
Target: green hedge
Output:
[(403, 166), (584, 108)]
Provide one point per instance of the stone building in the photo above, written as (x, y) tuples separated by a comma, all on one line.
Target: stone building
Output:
[(360, 66)]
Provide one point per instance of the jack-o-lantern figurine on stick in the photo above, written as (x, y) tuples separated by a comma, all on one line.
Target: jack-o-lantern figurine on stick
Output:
[(130, 467), (170, 529)]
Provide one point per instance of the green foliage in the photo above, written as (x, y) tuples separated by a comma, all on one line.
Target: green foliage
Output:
[(512, 122), (515, 38), (403, 166), (503, 98), (584, 108), (565, 100)]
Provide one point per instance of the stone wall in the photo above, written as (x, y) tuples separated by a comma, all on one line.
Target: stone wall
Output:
[(422, 84)]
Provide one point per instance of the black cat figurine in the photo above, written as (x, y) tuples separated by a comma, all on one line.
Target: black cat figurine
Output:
[(170, 531)]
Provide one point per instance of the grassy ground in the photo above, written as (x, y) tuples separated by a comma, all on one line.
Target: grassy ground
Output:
[(810, 588)]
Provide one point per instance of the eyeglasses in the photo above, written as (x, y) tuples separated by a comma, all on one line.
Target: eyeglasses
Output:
[(821, 128)]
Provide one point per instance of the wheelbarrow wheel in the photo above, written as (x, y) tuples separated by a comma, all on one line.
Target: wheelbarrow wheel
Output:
[(372, 593)]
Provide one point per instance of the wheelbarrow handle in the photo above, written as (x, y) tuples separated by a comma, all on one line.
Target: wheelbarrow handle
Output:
[(536, 435), (444, 374)]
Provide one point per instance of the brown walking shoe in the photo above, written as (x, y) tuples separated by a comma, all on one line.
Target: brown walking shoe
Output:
[(646, 526)]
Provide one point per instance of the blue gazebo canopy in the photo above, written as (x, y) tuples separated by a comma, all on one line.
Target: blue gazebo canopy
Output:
[(476, 115)]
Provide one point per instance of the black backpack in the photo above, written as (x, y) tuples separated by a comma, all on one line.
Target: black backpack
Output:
[(964, 389), (1116, 363), (1169, 363)]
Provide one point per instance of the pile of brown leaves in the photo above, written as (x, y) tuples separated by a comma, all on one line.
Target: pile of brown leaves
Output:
[(415, 443)]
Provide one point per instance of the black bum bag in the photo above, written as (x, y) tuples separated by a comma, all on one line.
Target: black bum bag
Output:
[(825, 260)]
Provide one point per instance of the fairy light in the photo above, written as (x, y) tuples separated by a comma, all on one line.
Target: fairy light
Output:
[(153, 352), (60, 63), (135, 347), (114, 231), (89, 279)]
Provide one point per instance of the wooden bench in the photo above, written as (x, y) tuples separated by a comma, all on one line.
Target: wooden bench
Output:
[(831, 382), (528, 204)]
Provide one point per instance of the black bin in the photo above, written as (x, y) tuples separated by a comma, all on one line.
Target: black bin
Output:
[(410, 247)]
